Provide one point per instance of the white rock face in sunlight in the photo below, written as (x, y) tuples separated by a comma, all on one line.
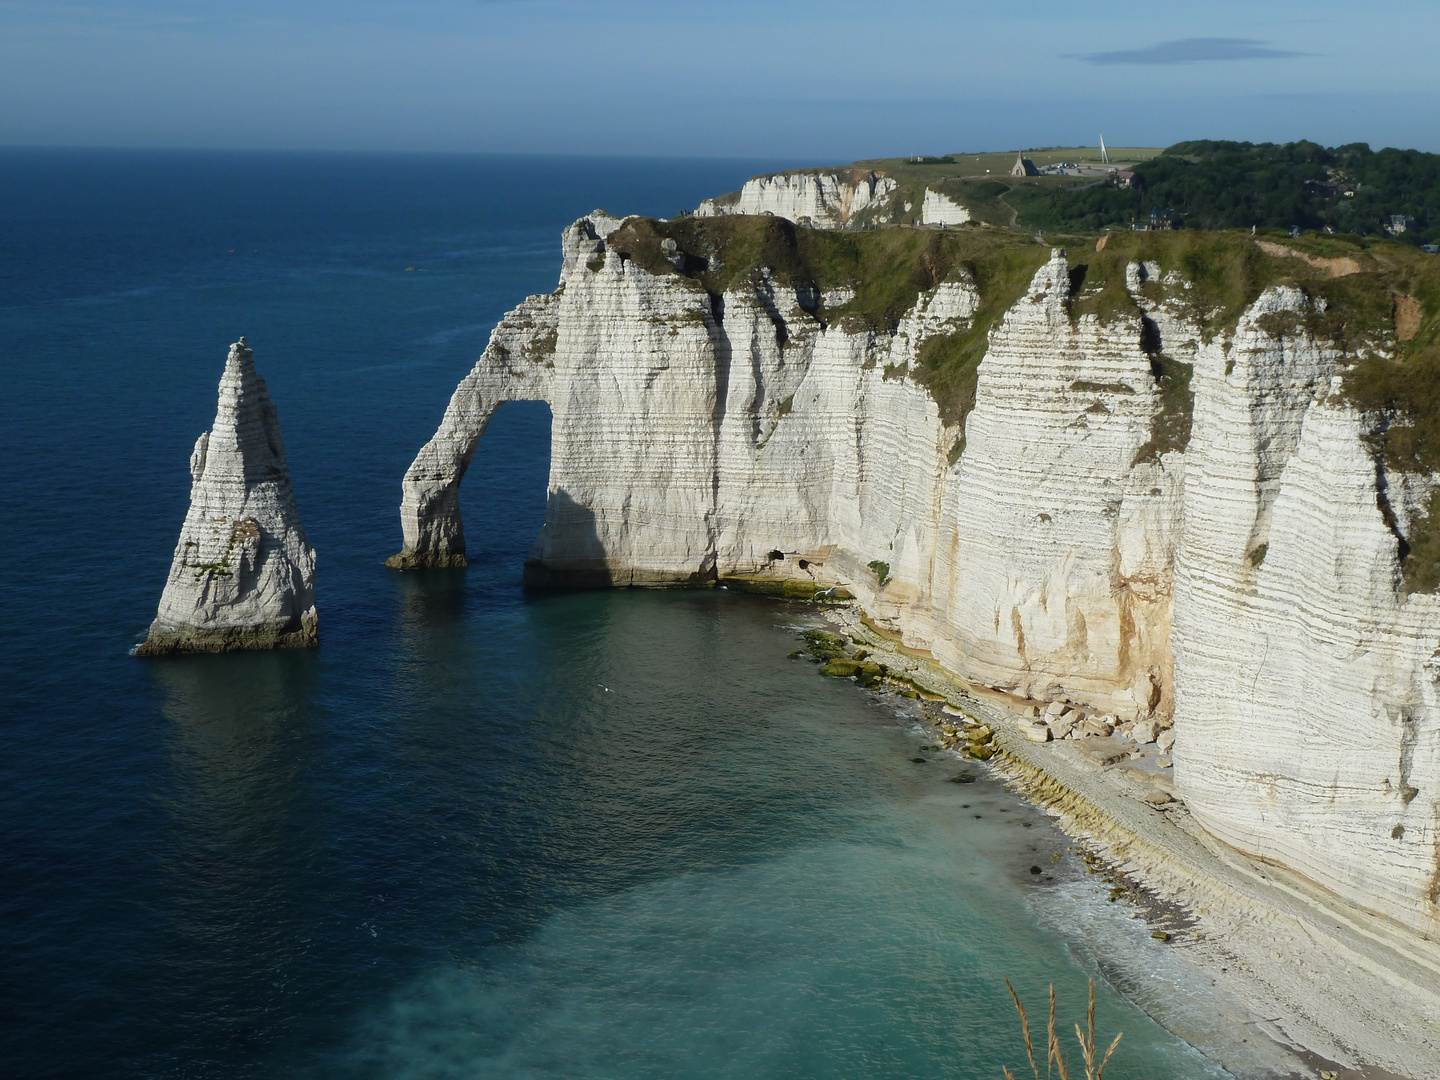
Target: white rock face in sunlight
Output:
[(825, 200), (937, 209), (243, 576)]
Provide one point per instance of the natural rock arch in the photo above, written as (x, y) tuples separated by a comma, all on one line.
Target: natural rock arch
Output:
[(514, 367)]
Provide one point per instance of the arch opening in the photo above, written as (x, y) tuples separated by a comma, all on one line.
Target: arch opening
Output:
[(430, 510), (503, 493)]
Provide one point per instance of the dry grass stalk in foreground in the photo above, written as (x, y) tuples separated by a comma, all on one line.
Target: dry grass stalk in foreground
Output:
[(1054, 1058)]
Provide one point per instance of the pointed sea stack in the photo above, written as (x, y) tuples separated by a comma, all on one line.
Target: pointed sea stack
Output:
[(243, 575)]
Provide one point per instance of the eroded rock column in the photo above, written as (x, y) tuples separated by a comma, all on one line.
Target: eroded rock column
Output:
[(243, 576)]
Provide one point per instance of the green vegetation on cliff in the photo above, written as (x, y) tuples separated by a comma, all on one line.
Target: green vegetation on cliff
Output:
[(1376, 299), (887, 270), (1405, 388), (1234, 185), (1205, 184)]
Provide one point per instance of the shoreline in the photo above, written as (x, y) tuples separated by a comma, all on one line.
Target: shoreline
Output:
[(1344, 990)]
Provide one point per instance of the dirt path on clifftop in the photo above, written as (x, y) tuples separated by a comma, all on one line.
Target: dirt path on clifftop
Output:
[(1014, 214)]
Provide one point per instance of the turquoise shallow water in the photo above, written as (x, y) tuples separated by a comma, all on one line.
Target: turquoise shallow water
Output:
[(480, 832)]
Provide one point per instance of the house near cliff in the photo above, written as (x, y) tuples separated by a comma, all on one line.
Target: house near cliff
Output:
[(1161, 220), (1023, 167)]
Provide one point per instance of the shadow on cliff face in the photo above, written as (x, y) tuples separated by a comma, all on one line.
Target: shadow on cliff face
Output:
[(568, 553)]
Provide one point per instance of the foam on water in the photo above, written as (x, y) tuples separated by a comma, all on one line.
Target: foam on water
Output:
[(878, 949), (1113, 941)]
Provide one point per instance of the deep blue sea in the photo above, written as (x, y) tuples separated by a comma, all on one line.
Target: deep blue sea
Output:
[(481, 832)]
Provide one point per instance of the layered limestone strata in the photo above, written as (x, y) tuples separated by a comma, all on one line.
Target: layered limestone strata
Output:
[(1305, 683), (1052, 544), (825, 200), (1052, 573), (243, 576), (938, 209)]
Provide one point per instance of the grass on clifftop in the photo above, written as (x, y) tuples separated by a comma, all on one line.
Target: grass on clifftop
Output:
[(887, 268), (1225, 274), (1202, 185), (1393, 379), (1406, 386)]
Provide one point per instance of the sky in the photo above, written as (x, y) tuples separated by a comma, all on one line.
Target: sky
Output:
[(835, 81)]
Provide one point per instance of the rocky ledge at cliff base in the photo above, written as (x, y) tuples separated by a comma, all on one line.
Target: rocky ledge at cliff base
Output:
[(243, 576)]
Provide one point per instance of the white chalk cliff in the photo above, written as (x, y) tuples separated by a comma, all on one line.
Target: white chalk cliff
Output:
[(825, 200), (1247, 586), (243, 576), (938, 209), (1306, 691)]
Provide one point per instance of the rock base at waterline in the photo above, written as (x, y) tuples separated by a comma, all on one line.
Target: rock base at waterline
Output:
[(425, 560)]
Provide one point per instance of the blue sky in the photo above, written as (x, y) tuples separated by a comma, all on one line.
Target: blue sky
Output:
[(834, 81)]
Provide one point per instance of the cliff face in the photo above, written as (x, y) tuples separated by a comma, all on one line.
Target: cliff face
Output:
[(1053, 571), (1079, 525), (832, 200), (243, 576), (937, 209), (827, 200), (1305, 677)]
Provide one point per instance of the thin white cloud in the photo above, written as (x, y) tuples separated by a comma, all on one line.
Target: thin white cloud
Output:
[(1192, 51)]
